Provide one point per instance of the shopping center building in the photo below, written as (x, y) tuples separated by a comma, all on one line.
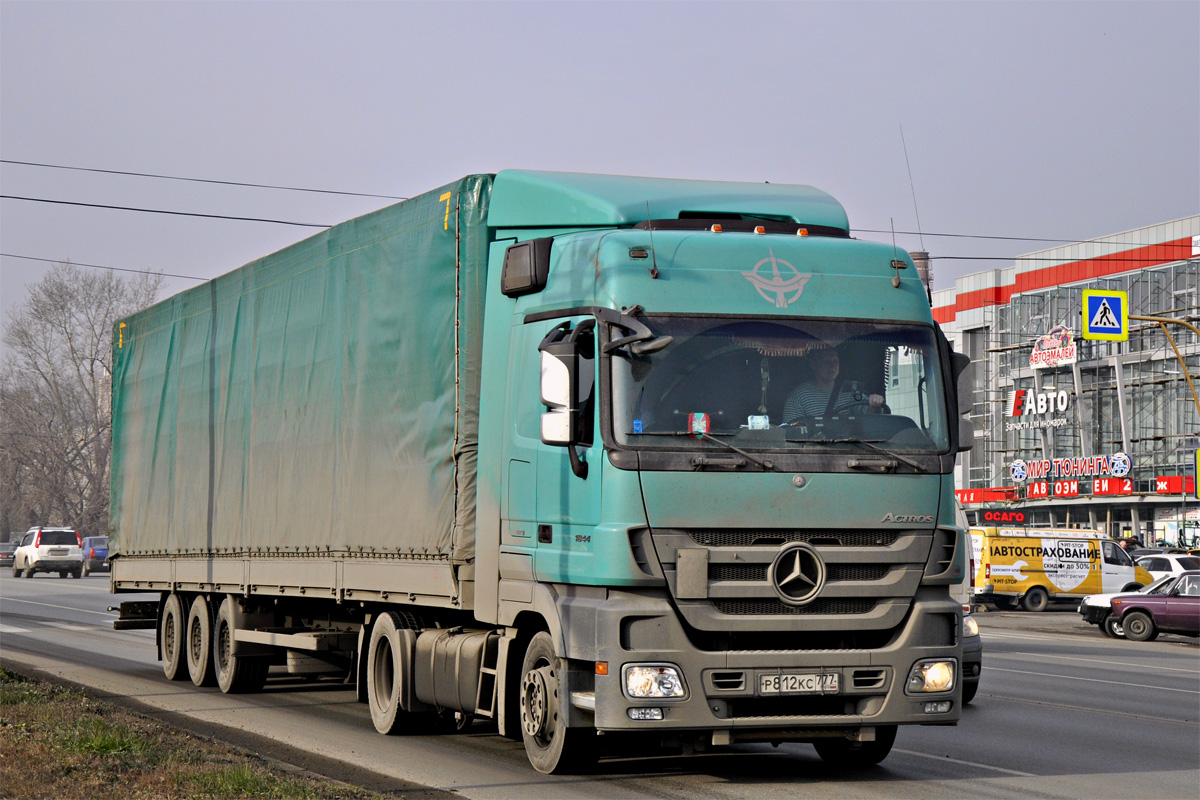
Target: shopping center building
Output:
[(1078, 432)]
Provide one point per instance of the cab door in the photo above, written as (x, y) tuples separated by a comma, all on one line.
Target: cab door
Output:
[(1116, 567)]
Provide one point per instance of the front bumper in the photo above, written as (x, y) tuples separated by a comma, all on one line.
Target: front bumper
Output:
[(1094, 614), (723, 687)]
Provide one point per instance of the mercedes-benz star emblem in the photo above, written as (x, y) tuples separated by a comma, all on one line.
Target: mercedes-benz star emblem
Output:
[(798, 574)]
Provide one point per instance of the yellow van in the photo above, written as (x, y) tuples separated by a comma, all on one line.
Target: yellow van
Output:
[(1032, 566)]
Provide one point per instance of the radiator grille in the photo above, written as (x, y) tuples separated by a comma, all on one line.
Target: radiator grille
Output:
[(768, 606), (733, 537), (758, 572)]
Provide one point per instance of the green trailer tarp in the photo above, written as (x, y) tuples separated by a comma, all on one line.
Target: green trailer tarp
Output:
[(322, 399)]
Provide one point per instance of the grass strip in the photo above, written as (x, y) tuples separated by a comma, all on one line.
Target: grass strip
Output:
[(58, 743)]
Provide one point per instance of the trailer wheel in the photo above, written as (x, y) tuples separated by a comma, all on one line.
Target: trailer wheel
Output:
[(198, 643), (1035, 599), (235, 674), (170, 635), (551, 746), (844, 754), (386, 679)]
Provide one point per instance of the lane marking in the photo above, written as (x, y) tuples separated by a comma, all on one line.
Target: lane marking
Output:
[(108, 614), (10, 629), (1017, 773), (1131, 665), (1091, 680)]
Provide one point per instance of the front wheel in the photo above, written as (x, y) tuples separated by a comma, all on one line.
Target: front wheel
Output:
[(1112, 627), (1139, 627), (551, 746), (969, 690), (844, 754)]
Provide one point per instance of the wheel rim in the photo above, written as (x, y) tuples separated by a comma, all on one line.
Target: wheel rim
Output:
[(535, 704), (1137, 626), (196, 641), (169, 637), (223, 646)]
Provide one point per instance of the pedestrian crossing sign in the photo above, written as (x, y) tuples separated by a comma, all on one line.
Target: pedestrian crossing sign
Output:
[(1105, 315)]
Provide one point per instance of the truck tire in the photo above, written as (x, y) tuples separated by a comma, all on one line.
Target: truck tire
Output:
[(235, 674), (198, 643), (1139, 627), (385, 680), (969, 690), (170, 637), (551, 746), (844, 754), (1036, 599)]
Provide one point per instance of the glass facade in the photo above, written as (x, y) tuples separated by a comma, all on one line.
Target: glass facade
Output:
[(1128, 398)]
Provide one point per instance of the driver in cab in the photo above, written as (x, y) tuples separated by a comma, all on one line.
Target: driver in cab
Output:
[(811, 398)]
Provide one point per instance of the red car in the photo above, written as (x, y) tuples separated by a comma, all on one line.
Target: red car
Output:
[(1143, 616)]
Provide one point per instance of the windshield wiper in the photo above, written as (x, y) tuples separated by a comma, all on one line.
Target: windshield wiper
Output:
[(767, 465), (869, 443)]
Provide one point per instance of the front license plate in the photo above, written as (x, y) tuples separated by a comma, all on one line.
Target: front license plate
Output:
[(799, 683)]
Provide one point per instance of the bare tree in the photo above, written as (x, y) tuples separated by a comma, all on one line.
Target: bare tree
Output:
[(55, 397)]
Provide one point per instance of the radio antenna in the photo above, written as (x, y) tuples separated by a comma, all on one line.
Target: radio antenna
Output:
[(912, 187)]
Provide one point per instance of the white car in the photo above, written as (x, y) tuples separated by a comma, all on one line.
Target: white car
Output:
[(1160, 566), (49, 550), (1097, 608)]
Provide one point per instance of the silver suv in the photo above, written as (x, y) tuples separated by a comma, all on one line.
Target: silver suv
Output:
[(49, 550)]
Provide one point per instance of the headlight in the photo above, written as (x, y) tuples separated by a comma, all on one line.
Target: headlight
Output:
[(931, 676), (970, 626), (653, 680)]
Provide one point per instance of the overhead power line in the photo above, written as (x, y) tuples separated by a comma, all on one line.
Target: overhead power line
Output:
[(1097, 240), (101, 266), (198, 180), (161, 211)]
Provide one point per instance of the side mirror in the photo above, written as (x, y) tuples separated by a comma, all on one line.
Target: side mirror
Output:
[(964, 386), (567, 378)]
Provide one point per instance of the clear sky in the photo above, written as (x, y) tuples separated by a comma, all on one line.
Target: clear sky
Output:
[(1060, 121)]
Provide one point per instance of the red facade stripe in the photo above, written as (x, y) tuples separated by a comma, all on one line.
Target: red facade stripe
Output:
[(1057, 275)]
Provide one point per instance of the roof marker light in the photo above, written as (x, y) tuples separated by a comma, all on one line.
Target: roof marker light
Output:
[(717, 229), (802, 232), (760, 229)]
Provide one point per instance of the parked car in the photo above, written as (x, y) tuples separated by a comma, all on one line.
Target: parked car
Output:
[(1161, 566), (1144, 616), (7, 549), (49, 550), (1097, 608), (972, 658), (95, 554)]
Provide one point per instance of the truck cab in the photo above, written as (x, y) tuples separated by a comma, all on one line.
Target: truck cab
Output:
[(656, 505)]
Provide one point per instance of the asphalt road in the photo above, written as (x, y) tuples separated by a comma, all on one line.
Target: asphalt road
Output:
[(1062, 712)]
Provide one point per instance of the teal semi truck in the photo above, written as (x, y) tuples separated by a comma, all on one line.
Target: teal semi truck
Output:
[(543, 448)]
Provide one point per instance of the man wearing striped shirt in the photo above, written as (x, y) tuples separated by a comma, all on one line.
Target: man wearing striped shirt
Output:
[(811, 397)]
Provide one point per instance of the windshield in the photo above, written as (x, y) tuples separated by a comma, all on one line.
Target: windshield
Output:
[(781, 385)]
